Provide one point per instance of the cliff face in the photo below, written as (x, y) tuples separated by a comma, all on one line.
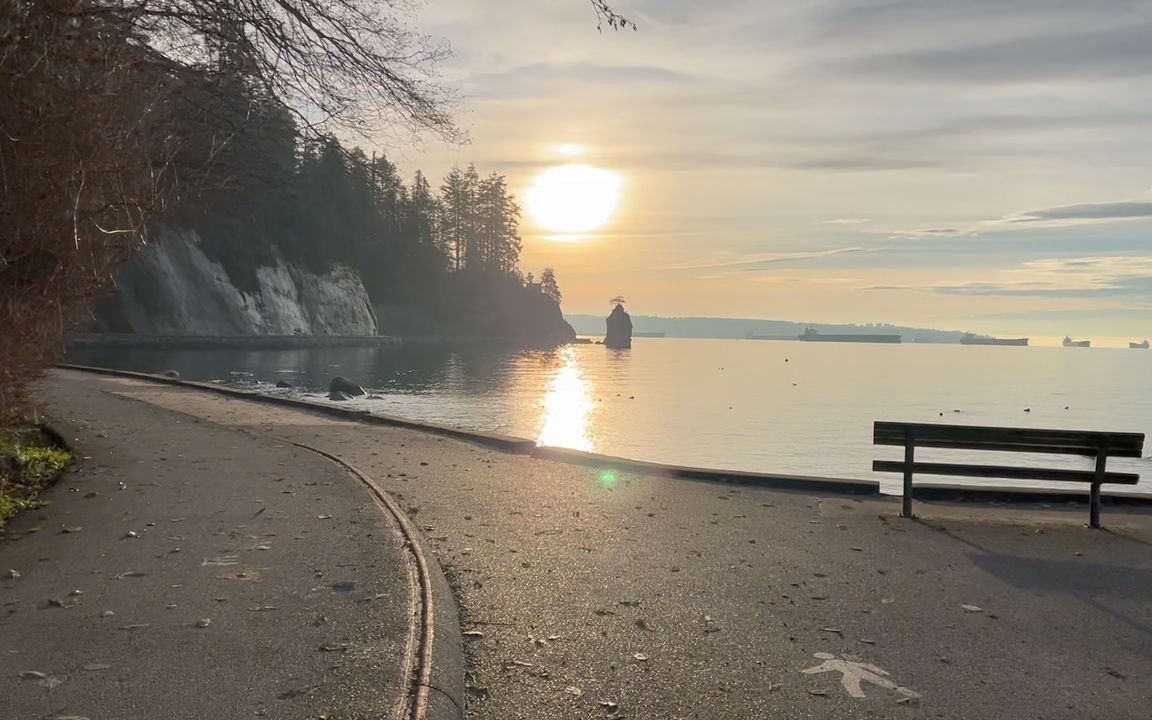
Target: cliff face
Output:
[(173, 288)]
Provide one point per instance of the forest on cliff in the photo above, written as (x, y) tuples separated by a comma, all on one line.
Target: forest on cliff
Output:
[(268, 189)]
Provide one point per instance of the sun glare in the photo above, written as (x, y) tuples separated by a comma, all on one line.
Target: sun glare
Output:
[(573, 198)]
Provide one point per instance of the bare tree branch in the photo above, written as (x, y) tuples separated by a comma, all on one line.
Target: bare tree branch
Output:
[(606, 15)]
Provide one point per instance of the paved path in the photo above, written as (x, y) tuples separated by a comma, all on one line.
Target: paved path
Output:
[(592, 594), (184, 569)]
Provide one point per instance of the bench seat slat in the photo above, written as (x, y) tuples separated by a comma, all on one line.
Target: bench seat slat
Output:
[(973, 437), (1045, 448), (1001, 471)]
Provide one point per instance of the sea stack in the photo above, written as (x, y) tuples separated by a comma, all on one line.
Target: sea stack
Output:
[(619, 335)]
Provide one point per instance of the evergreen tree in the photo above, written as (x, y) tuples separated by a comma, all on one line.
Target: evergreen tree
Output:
[(548, 284), (455, 217)]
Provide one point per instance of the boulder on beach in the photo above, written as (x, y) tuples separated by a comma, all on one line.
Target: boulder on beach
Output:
[(339, 395), (172, 374), (619, 335), (283, 384), (344, 385)]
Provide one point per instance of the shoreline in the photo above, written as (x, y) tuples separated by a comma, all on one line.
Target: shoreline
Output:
[(90, 341), (943, 492), (99, 341)]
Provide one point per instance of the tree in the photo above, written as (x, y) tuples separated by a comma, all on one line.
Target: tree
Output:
[(618, 300), (548, 284)]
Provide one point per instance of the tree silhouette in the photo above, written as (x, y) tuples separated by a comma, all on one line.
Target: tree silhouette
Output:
[(618, 300), (548, 284)]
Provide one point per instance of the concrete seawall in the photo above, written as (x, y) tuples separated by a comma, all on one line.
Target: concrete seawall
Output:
[(208, 342), (524, 446)]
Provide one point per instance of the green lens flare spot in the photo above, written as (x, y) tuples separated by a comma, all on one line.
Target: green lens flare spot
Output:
[(607, 480)]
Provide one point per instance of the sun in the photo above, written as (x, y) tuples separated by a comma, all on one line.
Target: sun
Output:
[(573, 198)]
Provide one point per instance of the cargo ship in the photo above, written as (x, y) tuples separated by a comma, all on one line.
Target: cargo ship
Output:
[(647, 334), (970, 339), (810, 335), (1139, 346), (1069, 342)]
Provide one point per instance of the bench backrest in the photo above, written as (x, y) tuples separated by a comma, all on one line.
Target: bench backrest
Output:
[(975, 437)]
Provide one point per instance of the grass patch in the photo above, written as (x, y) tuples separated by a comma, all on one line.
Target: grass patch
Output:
[(28, 463)]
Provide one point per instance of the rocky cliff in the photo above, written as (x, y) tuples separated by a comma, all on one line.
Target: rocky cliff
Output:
[(173, 288)]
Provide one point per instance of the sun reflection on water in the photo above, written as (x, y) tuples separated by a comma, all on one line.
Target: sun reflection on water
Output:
[(567, 406)]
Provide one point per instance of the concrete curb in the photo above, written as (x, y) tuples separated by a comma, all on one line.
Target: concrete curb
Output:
[(522, 446), (253, 342), (735, 477), (504, 443)]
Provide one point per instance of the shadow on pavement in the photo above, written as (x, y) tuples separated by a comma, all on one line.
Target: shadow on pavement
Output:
[(1086, 581)]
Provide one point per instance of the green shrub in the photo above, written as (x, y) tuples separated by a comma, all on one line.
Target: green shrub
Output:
[(26, 466)]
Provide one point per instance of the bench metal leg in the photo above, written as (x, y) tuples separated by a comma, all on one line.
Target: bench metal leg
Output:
[(1094, 494), (909, 449)]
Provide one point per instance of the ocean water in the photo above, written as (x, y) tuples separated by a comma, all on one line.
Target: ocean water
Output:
[(780, 407)]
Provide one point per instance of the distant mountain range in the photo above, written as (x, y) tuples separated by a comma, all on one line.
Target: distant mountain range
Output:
[(709, 327)]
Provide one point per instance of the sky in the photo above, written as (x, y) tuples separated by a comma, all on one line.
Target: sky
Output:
[(983, 165)]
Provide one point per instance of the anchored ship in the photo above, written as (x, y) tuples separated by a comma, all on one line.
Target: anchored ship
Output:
[(1139, 346), (1069, 342), (810, 335), (970, 339)]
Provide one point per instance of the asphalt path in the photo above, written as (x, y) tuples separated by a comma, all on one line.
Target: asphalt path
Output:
[(186, 570), (589, 593)]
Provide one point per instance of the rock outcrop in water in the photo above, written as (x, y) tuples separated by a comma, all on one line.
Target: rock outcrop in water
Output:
[(619, 333), (341, 384), (173, 288)]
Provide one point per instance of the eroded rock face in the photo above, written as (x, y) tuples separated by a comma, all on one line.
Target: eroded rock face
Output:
[(173, 288), (619, 333)]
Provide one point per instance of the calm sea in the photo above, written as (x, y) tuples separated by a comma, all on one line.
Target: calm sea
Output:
[(781, 407)]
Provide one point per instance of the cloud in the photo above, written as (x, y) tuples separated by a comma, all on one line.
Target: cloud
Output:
[(1111, 53), (765, 259), (1124, 210), (927, 233), (846, 221), (1119, 277)]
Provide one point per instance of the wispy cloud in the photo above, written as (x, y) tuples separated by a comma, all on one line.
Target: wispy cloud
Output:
[(765, 259), (1117, 277), (1089, 212), (846, 221), (927, 233)]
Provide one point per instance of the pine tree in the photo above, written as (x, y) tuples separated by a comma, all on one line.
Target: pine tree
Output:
[(548, 284)]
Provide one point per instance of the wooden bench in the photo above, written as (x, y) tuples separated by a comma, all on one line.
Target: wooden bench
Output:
[(1099, 445)]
